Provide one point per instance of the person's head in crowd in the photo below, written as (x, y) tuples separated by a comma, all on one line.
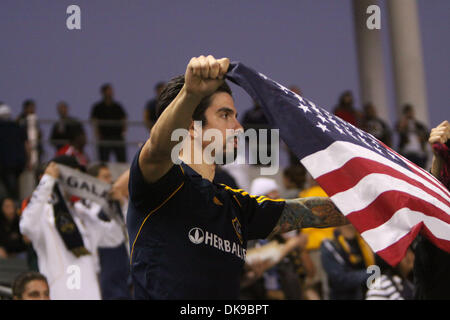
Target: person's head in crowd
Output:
[(30, 285), (294, 177), (346, 100), (101, 172), (408, 111), (63, 109), (69, 161), (369, 111), (216, 111), (107, 92), (8, 209), (77, 137), (265, 187), (28, 107), (5, 111), (159, 87), (295, 89), (348, 231)]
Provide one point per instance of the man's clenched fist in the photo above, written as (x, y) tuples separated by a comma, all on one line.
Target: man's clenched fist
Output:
[(204, 75)]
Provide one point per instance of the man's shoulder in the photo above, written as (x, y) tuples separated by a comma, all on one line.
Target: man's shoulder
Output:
[(96, 107)]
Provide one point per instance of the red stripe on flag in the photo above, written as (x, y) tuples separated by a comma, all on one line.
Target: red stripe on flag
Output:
[(355, 169), (440, 243), (386, 204), (426, 175), (395, 253)]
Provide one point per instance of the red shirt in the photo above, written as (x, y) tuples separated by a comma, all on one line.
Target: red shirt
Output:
[(69, 150)]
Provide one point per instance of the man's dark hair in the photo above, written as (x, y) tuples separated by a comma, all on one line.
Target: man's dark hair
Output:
[(21, 281), (407, 108), (74, 131), (160, 85), (94, 169), (104, 87), (27, 103), (297, 174), (172, 89), (69, 161)]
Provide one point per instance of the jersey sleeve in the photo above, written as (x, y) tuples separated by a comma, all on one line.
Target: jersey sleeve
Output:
[(260, 213), (148, 196)]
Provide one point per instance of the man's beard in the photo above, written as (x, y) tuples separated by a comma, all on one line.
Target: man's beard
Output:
[(221, 157)]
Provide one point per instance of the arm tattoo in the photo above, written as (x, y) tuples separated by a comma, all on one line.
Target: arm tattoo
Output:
[(314, 212)]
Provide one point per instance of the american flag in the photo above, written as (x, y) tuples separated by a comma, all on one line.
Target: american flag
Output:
[(387, 198)]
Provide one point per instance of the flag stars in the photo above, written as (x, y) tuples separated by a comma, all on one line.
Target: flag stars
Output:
[(332, 121), (322, 127), (313, 106), (321, 117), (263, 76), (339, 129), (304, 108)]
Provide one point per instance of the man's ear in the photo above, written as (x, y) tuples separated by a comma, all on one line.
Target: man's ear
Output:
[(192, 132)]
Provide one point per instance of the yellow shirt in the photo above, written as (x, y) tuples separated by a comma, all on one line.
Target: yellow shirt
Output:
[(315, 235)]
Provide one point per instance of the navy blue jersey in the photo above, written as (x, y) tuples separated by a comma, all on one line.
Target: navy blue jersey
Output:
[(188, 236)]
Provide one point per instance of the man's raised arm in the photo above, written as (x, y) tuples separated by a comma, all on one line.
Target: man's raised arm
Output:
[(202, 78), (313, 212)]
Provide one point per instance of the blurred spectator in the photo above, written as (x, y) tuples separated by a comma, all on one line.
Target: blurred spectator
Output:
[(283, 280), (315, 235), (296, 268), (222, 176), (345, 109), (395, 282), (431, 264), (265, 187), (150, 112), (256, 119), (66, 234), (75, 147), (32, 259), (27, 119), (114, 261), (62, 130), (13, 155), (413, 137), (294, 178), (109, 120), (30, 285), (11, 243), (319, 282), (268, 187), (372, 124), (345, 258)]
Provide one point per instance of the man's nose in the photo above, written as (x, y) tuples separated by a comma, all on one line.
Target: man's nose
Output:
[(237, 125)]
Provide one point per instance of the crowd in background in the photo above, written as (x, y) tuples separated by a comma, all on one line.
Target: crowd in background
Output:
[(316, 263)]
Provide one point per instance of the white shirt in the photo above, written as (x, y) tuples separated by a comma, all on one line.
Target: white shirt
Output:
[(388, 289), (69, 277)]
